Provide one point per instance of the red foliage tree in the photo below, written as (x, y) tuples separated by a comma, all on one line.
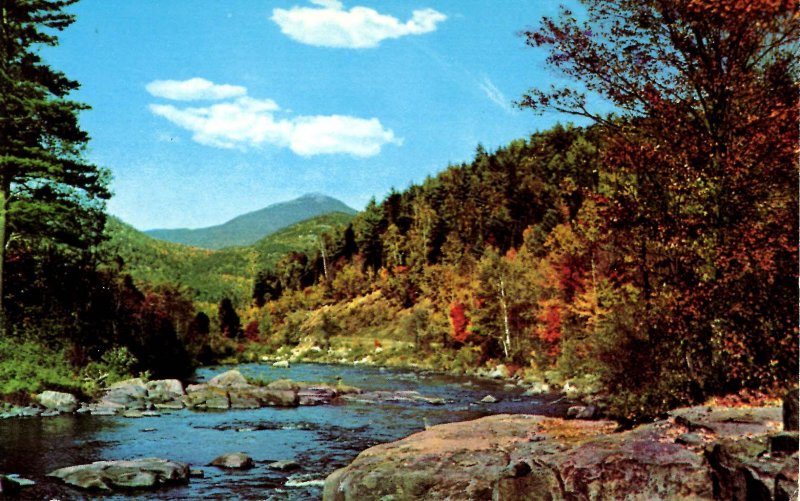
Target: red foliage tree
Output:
[(251, 331), (703, 148), (458, 322)]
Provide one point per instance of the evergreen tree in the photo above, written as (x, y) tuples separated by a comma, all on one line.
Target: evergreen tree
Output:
[(47, 190), (229, 323)]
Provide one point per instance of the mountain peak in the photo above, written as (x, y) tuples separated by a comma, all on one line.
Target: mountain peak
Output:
[(253, 226)]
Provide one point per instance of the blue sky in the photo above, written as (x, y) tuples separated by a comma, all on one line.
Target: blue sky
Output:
[(204, 110)]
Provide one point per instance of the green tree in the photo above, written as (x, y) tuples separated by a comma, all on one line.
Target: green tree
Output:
[(229, 323), (47, 190)]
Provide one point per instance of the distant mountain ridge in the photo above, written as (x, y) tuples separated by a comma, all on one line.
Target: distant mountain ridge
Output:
[(253, 226)]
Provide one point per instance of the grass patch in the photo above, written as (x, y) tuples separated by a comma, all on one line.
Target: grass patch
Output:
[(27, 367)]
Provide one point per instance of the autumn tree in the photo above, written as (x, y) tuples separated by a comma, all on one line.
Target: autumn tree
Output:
[(702, 154), (47, 189)]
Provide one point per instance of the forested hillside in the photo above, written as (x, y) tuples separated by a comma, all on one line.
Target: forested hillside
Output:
[(208, 276)]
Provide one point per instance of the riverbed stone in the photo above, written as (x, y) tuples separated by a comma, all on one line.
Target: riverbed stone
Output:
[(500, 372), (281, 364), (131, 393), (582, 411), (786, 483), (203, 396), (316, 395), (164, 390), (284, 465), (144, 473), (58, 401), (786, 442), (227, 379), (234, 461), (285, 385)]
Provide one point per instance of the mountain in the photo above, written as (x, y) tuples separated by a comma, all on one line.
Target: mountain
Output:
[(249, 228), (210, 275)]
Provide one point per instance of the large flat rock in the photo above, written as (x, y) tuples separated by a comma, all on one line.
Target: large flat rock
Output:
[(519, 457), (147, 473)]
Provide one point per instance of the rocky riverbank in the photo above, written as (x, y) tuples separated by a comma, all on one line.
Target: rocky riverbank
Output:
[(697, 453)]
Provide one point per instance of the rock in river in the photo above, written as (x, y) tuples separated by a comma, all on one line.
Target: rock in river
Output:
[(230, 378), (58, 401), (233, 460), (133, 474)]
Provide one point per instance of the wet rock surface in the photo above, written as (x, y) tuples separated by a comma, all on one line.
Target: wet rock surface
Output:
[(145, 473), (233, 461), (58, 401), (697, 453)]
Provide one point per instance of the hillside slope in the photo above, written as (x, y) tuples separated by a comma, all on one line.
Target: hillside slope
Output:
[(249, 228), (210, 275)]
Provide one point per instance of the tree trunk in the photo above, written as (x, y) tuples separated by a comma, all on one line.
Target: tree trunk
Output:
[(324, 258), (506, 329)]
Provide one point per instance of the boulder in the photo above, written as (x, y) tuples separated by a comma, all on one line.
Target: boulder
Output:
[(202, 396), (316, 395), (164, 391), (233, 460), (227, 379), (133, 474), (786, 442), (500, 372), (697, 453), (786, 483), (537, 388), (740, 469), (489, 399), (131, 393), (582, 411), (281, 364), (101, 408), (507, 457), (285, 385), (285, 465), (27, 411), (58, 401)]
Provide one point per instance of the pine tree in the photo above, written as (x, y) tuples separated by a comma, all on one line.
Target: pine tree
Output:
[(48, 192)]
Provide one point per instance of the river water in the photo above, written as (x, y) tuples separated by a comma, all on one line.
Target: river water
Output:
[(321, 438)]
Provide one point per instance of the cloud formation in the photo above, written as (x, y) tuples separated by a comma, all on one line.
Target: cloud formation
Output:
[(330, 25), (194, 89), (494, 94), (246, 122)]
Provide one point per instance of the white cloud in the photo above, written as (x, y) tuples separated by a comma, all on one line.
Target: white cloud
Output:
[(330, 25), (193, 89), (336, 134), (246, 122)]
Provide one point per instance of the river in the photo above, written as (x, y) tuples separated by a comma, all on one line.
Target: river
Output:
[(321, 439)]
